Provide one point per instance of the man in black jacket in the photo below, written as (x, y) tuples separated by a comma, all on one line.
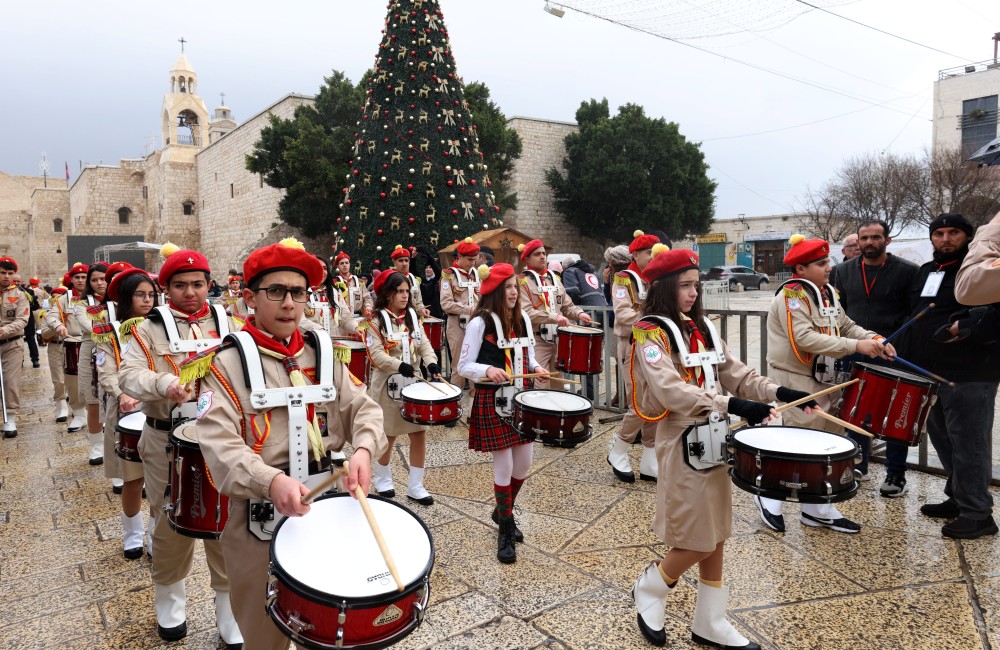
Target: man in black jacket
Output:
[(875, 292), (961, 345)]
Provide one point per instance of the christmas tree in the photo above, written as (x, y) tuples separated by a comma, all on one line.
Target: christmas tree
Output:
[(417, 176)]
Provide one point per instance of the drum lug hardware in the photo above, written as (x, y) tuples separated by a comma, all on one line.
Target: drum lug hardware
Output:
[(298, 625), (340, 637), (829, 488), (757, 460), (792, 485), (829, 467), (342, 616), (271, 593), (759, 480), (418, 612)]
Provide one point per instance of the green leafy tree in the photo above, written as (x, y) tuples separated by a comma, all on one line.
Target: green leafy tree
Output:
[(309, 155), (418, 177), (501, 145), (631, 171)]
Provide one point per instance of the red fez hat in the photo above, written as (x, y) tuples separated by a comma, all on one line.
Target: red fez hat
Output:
[(78, 268), (116, 282), (806, 251), (9, 260), (400, 251), (642, 241), (180, 261), (287, 255), (667, 262), (342, 255), (34, 282), (468, 248), (529, 248), (493, 277), (58, 291), (380, 279), (114, 270)]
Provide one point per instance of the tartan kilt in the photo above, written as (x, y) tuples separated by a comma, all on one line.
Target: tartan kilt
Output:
[(487, 432)]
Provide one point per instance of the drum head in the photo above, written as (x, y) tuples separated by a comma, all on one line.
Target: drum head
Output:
[(579, 330), (892, 373), (795, 440), (421, 392), (132, 421), (432, 320), (185, 431), (332, 549), (555, 401)]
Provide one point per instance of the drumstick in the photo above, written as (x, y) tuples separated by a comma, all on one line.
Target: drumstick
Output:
[(930, 374), (363, 500), (910, 322), (846, 425), (785, 407), (431, 384), (323, 486), (549, 377)]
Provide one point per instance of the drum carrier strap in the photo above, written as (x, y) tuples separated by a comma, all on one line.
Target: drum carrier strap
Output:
[(706, 360), (518, 345), (323, 307), (825, 369), (178, 344), (640, 286), (472, 285)]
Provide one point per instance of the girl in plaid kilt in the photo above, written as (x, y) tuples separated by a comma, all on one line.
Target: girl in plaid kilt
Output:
[(483, 360)]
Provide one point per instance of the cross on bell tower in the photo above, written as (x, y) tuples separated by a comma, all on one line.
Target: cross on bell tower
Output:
[(182, 42)]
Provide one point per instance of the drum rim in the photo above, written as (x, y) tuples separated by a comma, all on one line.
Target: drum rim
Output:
[(182, 442), (836, 497), (120, 427), (891, 373), (442, 400), (580, 330), (589, 410), (433, 320), (780, 455), (332, 600)]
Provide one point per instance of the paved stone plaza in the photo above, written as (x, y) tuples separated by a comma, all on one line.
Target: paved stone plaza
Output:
[(898, 584)]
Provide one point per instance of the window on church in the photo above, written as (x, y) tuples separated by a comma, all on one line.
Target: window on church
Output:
[(57, 225), (123, 215), (188, 208), (145, 191)]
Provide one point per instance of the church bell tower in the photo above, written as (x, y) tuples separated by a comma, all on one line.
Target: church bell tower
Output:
[(184, 115)]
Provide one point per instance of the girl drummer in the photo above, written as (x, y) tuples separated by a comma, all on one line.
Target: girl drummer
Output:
[(482, 359), (392, 316), (134, 294), (93, 313), (693, 507)]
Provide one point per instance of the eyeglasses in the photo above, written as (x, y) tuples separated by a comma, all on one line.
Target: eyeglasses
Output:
[(144, 295), (277, 293)]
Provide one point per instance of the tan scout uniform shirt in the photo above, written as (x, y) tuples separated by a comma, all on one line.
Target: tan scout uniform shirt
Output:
[(342, 320), (416, 299), (626, 298), (355, 294), (108, 357), (14, 314), (64, 311), (533, 304), (693, 508), (794, 324), (454, 298), (978, 281)]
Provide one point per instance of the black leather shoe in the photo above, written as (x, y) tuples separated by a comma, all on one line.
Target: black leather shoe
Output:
[(172, 633), (506, 552), (134, 553), (10, 434), (628, 477), (774, 522), (944, 510), (965, 528), (234, 646), (656, 637), (426, 501), (646, 477), (712, 644), (388, 494), (117, 489), (35, 364), (97, 461), (518, 535)]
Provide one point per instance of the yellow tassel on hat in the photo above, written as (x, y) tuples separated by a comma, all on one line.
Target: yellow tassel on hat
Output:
[(659, 248), (796, 239), (468, 240), (483, 271), (637, 234), (520, 248), (291, 242), (168, 249)]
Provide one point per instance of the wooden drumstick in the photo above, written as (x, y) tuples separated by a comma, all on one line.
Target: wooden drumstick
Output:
[(431, 384), (323, 486), (549, 377), (785, 407), (843, 423), (363, 500)]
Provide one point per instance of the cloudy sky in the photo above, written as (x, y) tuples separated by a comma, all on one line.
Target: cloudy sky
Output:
[(780, 94)]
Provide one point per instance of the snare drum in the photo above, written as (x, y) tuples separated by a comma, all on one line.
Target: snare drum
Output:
[(434, 328), (195, 507), (891, 404), (359, 365), (71, 356), (552, 417), (794, 464), (580, 350), (425, 404), (353, 604), (128, 430)]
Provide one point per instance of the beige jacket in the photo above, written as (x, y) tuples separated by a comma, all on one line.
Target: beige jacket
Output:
[(354, 292), (63, 312), (455, 299), (227, 422), (978, 281), (533, 303), (626, 302), (14, 314)]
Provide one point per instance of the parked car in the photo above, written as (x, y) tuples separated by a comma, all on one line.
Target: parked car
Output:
[(735, 275)]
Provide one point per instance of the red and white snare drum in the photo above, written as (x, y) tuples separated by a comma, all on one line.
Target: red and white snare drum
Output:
[(360, 365), (425, 404), (891, 404), (71, 356), (434, 329), (794, 464), (552, 417), (195, 507), (128, 430), (580, 350), (319, 603)]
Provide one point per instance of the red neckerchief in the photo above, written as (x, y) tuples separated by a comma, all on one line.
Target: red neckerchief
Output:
[(696, 338), (191, 318), (75, 295), (634, 267), (274, 345), (461, 272), (400, 317)]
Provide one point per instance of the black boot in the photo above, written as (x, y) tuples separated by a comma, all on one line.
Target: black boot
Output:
[(518, 535), (506, 552)]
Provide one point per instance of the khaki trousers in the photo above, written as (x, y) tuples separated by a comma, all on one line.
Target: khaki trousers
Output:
[(545, 355), (12, 357), (54, 351), (454, 335), (173, 553), (249, 584), (632, 424)]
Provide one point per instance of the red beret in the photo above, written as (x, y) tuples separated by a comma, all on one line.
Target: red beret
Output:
[(114, 270), (58, 291), (342, 255), (11, 260), (528, 249), (180, 261), (400, 251), (468, 248), (78, 268), (667, 262), (233, 278), (380, 279), (493, 277), (286, 255), (67, 279), (119, 277), (642, 241), (806, 251), (34, 281)]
